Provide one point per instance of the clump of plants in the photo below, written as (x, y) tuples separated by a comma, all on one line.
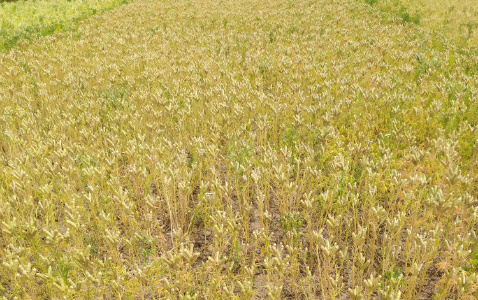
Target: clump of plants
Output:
[(23, 20), (205, 150)]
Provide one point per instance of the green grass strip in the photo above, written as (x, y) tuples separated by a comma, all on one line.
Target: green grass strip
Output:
[(23, 20)]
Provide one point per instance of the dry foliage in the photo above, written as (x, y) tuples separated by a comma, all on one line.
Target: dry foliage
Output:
[(239, 149)]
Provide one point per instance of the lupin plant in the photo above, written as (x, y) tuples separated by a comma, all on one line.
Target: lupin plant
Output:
[(301, 149)]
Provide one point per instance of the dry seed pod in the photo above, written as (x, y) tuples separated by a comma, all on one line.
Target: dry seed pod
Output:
[(335, 282), (246, 288), (173, 261), (26, 272), (372, 283), (8, 228), (46, 277), (83, 257), (274, 292), (356, 293), (416, 268), (30, 230), (217, 261), (188, 254), (333, 223), (359, 237), (343, 254), (363, 262), (328, 249)]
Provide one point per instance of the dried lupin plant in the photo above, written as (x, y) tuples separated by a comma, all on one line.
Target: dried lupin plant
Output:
[(204, 150)]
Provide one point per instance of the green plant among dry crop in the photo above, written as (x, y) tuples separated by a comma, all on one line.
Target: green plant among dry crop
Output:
[(457, 20), (22, 20), (242, 150)]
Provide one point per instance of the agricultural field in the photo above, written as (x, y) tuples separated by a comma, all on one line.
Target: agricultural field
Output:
[(457, 20), (307, 149), (21, 20)]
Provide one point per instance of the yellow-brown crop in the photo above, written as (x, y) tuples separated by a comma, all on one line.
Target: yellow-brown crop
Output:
[(244, 149)]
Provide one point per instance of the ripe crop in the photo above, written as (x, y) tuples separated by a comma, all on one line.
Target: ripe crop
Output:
[(240, 149)]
